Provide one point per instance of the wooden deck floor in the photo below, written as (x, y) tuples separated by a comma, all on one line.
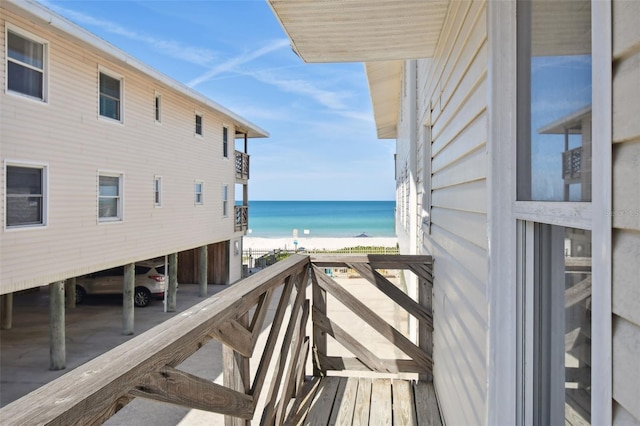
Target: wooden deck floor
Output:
[(365, 401)]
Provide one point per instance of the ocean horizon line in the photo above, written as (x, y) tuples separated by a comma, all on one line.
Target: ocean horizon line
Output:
[(322, 201)]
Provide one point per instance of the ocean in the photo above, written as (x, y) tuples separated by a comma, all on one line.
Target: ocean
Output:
[(278, 219)]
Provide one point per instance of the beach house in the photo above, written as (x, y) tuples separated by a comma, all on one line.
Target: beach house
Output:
[(517, 168), (107, 162)]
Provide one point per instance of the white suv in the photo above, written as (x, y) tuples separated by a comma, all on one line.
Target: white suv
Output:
[(149, 282)]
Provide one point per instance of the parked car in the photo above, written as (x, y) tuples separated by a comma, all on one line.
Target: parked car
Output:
[(149, 282)]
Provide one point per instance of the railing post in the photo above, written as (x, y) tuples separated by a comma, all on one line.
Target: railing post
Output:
[(425, 334), (236, 374), (319, 336)]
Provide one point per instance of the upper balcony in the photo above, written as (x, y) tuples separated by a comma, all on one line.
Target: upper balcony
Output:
[(242, 166), (385, 372)]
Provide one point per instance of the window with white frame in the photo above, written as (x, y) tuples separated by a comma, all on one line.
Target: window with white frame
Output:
[(198, 192), (225, 200), (198, 123), (225, 142), (158, 108), (157, 191), (553, 182), (110, 96), (25, 195), (110, 200), (26, 64)]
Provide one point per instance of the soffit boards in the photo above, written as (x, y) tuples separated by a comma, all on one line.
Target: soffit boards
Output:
[(381, 33), (361, 30)]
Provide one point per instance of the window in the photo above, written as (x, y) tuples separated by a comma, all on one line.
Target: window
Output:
[(110, 197), (158, 108), (110, 97), (198, 124), (225, 142), (559, 301), (26, 60), (553, 189), (225, 200), (157, 191), (25, 195), (554, 106), (198, 192)]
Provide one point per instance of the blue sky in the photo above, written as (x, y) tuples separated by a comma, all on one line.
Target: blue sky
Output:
[(323, 143)]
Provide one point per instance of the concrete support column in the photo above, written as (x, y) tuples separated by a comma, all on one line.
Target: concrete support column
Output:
[(202, 270), (127, 299), (70, 292), (57, 346), (6, 302), (173, 282)]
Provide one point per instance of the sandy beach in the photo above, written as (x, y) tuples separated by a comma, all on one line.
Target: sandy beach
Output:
[(316, 243)]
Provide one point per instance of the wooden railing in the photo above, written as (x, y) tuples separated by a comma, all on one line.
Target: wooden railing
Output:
[(572, 163), (242, 165), (241, 218), (145, 366)]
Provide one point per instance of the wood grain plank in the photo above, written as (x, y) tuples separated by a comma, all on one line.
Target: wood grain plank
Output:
[(302, 402), (298, 342), (427, 412), (276, 376), (177, 387), (269, 348), (381, 409), (322, 404), (343, 414), (234, 335), (339, 401), (404, 411), (319, 336), (393, 366), (363, 402)]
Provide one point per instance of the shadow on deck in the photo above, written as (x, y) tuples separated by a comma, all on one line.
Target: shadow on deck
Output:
[(395, 384)]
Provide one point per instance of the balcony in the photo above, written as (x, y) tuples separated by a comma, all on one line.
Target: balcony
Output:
[(571, 164), (242, 166), (280, 303), (241, 214)]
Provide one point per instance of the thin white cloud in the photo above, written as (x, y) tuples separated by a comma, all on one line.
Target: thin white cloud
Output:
[(233, 63), (171, 48), (330, 99)]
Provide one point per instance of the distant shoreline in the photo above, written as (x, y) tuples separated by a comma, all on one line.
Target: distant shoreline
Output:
[(316, 243)]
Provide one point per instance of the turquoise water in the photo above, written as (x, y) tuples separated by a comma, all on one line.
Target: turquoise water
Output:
[(278, 219)]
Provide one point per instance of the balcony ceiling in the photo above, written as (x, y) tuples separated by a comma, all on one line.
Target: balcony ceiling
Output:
[(361, 30)]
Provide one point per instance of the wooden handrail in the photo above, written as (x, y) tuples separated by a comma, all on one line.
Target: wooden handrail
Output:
[(95, 391), (145, 366)]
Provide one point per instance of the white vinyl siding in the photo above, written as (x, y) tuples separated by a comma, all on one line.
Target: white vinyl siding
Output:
[(448, 176), (76, 147), (626, 212), (452, 100)]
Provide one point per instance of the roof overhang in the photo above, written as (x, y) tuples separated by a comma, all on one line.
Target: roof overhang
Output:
[(385, 85), (361, 30), (381, 33)]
